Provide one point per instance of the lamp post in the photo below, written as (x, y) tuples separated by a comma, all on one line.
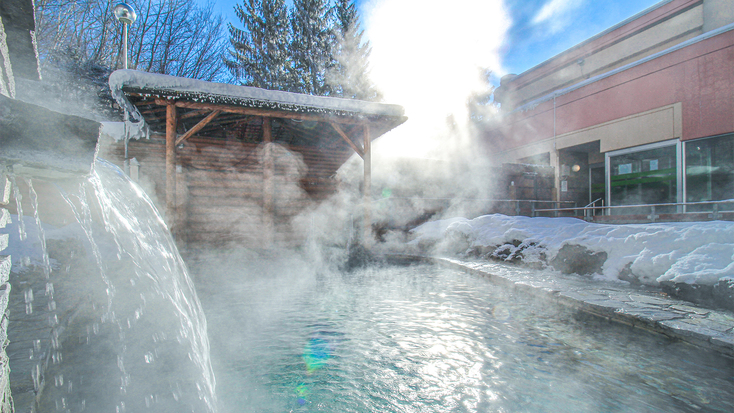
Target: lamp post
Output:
[(125, 14)]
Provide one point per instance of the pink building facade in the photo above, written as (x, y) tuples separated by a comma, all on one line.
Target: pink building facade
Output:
[(640, 114)]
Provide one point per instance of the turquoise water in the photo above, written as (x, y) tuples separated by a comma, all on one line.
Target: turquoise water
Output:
[(428, 339)]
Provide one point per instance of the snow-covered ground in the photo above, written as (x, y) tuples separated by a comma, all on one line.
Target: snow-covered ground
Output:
[(692, 253)]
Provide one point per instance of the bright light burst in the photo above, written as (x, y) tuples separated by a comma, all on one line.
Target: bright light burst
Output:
[(427, 57)]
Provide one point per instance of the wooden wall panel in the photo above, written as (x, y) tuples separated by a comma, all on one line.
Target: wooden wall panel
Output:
[(224, 187)]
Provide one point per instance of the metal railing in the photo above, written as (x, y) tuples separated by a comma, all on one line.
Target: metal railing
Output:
[(681, 208), (516, 205), (589, 213)]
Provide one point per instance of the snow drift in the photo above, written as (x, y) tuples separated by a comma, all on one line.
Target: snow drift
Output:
[(691, 253)]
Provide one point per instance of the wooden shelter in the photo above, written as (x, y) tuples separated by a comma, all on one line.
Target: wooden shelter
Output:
[(236, 163)]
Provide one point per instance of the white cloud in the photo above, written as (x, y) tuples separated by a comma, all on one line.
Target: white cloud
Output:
[(555, 12)]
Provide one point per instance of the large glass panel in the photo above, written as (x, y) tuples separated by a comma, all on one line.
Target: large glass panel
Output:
[(710, 170), (644, 177)]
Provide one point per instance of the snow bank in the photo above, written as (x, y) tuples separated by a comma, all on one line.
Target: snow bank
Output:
[(692, 253)]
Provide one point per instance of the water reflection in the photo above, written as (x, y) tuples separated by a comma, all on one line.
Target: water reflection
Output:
[(421, 339)]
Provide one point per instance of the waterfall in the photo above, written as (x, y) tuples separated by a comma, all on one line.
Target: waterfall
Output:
[(103, 313)]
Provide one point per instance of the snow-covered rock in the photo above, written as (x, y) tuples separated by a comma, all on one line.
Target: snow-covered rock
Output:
[(691, 253)]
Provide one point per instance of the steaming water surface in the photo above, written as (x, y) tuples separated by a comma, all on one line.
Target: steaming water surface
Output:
[(426, 339)]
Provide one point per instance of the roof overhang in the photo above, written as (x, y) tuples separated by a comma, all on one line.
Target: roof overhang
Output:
[(129, 87)]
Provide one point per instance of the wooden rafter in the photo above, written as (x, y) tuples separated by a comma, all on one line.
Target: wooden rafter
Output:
[(194, 113), (367, 186), (268, 113), (199, 126), (344, 136), (171, 125)]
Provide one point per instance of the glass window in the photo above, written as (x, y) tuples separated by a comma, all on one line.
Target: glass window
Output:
[(644, 177), (710, 170)]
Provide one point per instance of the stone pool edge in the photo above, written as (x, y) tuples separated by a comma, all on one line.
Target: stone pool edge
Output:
[(681, 320)]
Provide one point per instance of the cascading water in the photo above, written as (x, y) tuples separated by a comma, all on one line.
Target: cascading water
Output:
[(103, 314)]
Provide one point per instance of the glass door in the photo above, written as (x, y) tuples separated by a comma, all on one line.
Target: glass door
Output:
[(644, 175)]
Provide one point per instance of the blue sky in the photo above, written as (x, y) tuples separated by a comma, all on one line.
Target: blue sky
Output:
[(535, 36), (538, 30)]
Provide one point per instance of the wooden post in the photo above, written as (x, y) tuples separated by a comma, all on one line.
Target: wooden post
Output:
[(367, 241), (171, 125), (268, 172), (181, 217)]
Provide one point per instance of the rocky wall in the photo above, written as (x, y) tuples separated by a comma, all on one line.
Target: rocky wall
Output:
[(5, 397)]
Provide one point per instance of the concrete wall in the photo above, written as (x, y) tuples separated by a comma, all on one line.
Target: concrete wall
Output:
[(669, 24), (685, 94), (5, 399), (717, 13), (664, 25), (7, 82)]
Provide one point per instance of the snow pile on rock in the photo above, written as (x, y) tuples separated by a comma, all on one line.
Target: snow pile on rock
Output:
[(690, 253)]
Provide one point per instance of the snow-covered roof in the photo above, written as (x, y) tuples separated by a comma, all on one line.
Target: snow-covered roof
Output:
[(245, 96)]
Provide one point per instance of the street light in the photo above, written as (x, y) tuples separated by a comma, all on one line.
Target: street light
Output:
[(125, 14)]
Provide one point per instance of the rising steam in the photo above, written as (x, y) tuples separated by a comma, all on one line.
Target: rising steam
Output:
[(427, 57)]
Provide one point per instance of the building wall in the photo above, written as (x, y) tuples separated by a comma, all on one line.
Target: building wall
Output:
[(668, 24), (220, 188), (6, 405), (680, 94), (685, 94), (717, 13)]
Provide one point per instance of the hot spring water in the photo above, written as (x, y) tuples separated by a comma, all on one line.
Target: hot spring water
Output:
[(296, 338), (103, 315), (104, 318)]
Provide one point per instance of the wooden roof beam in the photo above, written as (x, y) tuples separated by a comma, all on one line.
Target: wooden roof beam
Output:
[(199, 126), (268, 113), (344, 136), (194, 113)]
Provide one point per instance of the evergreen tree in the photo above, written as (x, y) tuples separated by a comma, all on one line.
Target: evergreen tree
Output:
[(313, 48), (260, 53), (349, 75), (311, 45)]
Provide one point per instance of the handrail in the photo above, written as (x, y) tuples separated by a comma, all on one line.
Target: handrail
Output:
[(589, 214), (517, 202), (727, 201), (475, 199), (593, 202), (715, 213)]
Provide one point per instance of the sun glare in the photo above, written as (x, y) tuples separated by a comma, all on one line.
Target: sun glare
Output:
[(428, 59)]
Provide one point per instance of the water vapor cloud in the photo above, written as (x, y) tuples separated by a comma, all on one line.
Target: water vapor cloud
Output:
[(426, 56)]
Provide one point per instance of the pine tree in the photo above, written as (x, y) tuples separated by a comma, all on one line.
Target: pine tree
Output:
[(313, 48), (311, 45), (349, 75), (260, 53)]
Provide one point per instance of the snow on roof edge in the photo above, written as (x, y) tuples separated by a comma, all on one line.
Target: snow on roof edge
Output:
[(127, 78)]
